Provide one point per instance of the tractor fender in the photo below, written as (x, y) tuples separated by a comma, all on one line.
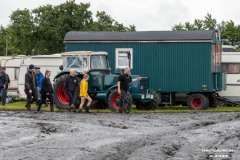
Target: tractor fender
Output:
[(61, 73), (109, 91)]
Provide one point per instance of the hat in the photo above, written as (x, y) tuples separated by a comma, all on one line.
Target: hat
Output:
[(37, 67), (31, 66)]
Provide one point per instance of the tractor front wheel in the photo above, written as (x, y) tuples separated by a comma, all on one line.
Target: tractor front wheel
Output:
[(151, 105)]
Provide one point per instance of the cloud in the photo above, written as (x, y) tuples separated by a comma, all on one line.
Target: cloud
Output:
[(144, 14)]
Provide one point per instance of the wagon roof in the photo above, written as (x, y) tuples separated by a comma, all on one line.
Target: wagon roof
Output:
[(201, 35), (83, 53)]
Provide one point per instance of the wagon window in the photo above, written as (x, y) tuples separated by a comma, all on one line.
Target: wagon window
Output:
[(224, 67), (16, 70), (231, 68), (124, 58)]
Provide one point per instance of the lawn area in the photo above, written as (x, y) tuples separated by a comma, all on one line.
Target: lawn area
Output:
[(19, 105)]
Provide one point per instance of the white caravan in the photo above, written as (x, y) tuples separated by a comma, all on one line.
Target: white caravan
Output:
[(3, 59), (45, 62), (12, 69), (231, 66)]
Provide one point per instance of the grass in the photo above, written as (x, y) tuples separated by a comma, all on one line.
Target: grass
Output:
[(19, 105)]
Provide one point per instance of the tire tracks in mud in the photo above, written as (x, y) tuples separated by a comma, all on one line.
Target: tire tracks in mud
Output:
[(177, 140), (160, 136)]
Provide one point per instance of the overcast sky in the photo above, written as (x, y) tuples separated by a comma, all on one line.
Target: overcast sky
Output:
[(146, 15)]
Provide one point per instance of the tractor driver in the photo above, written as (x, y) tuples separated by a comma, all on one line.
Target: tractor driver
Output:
[(123, 87)]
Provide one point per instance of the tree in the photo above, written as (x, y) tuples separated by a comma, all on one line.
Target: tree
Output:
[(20, 32), (230, 33), (206, 24), (2, 40), (42, 30), (209, 22), (106, 23)]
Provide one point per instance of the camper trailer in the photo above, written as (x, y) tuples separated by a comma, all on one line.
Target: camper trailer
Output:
[(231, 66), (45, 62), (12, 69), (3, 59), (185, 62)]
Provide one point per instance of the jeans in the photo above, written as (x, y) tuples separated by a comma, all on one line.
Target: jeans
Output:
[(31, 97), (44, 97), (3, 95), (71, 95), (39, 93)]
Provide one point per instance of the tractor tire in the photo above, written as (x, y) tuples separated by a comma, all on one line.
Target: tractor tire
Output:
[(198, 101), (152, 105), (114, 97), (60, 97)]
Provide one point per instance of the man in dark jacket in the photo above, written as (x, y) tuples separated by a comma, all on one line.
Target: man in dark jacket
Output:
[(3, 85), (71, 87), (30, 86), (6, 87)]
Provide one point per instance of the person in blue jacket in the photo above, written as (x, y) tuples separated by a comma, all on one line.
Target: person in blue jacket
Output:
[(39, 78)]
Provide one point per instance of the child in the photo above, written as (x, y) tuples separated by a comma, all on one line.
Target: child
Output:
[(84, 95)]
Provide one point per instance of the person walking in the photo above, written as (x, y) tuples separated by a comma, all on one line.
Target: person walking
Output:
[(3, 85), (123, 88), (46, 91), (6, 87), (30, 86), (71, 86), (39, 78), (84, 95)]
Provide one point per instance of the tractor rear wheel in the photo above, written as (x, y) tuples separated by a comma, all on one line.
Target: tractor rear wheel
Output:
[(114, 101), (198, 101), (59, 95)]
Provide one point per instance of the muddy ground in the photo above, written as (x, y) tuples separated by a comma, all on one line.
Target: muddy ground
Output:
[(32, 135)]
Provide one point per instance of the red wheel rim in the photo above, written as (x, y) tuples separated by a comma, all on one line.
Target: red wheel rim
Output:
[(197, 102), (62, 96), (116, 98)]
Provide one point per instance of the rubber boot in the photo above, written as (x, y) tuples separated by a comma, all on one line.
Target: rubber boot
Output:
[(38, 108), (51, 108), (87, 110), (29, 107), (121, 106), (74, 108), (79, 110), (69, 108)]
